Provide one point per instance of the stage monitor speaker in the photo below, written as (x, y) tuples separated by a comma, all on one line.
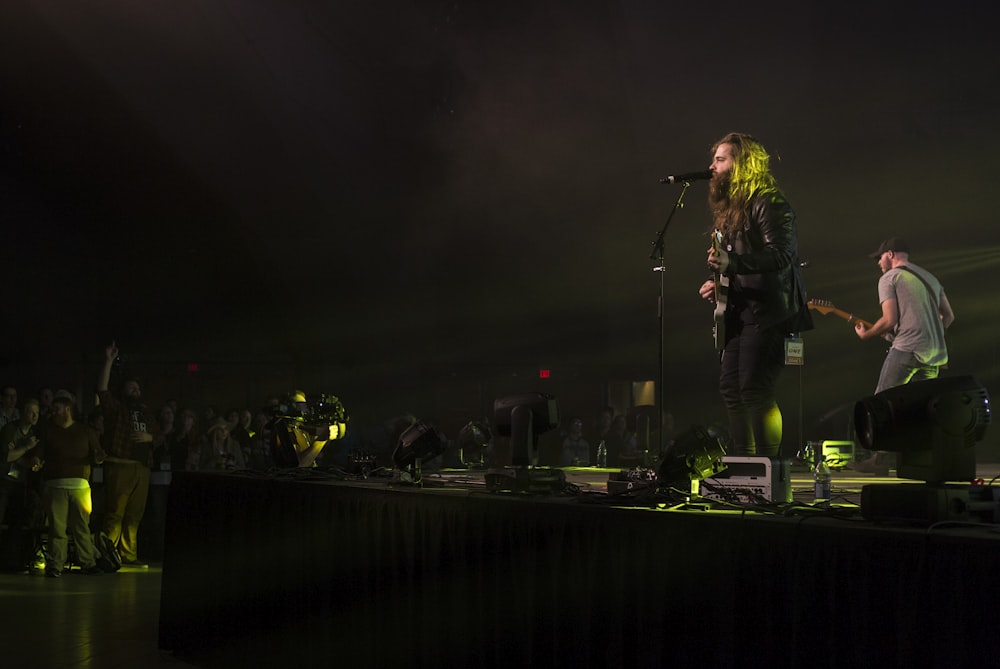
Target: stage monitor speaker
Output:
[(920, 503), (750, 479)]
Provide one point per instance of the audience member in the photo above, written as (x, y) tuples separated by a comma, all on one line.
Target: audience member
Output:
[(95, 419), (162, 455), (65, 453), (44, 403), (604, 438), (131, 436), (575, 448), (246, 421), (19, 437), (17, 499), (208, 415), (628, 451), (8, 405), (258, 452), (239, 427), (185, 443), (219, 452)]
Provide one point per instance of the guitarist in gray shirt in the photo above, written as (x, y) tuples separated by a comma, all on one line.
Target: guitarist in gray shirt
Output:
[(757, 251), (915, 313)]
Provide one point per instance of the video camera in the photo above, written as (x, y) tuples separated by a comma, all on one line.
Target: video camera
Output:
[(324, 409)]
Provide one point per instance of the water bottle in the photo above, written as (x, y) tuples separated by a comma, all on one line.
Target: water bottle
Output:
[(821, 479), (602, 454)]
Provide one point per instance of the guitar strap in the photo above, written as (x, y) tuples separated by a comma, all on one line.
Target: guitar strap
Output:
[(930, 291)]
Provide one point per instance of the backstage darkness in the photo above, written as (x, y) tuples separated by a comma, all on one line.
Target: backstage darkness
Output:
[(418, 206)]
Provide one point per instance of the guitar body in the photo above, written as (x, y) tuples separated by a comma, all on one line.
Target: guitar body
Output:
[(721, 298)]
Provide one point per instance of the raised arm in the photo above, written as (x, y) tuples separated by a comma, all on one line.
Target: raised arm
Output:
[(104, 378)]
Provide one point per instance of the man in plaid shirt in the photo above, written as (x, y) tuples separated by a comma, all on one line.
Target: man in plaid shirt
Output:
[(131, 435)]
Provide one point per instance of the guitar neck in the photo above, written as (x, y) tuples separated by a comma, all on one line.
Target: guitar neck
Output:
[(854, 320), (850, 318)]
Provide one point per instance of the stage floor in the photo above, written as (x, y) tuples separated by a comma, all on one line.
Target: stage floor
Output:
[(846, 485)]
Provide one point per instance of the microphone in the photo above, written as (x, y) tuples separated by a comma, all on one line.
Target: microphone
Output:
[(690, 176)]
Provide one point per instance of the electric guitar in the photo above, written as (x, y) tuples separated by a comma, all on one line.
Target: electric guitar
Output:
[(721, 297), (825, 307)]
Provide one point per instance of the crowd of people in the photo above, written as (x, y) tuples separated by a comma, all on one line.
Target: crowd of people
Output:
[(52, 443), (613, 439)]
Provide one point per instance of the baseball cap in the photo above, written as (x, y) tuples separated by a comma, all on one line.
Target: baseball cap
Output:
[(892, 244), (64, 396)]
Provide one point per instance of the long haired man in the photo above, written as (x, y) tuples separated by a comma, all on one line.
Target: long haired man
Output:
[(766, 300)]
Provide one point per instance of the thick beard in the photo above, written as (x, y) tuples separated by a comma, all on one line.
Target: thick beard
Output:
[(718, 191)]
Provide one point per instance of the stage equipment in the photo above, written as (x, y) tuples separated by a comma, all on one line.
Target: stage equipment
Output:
[(836, 454), (473, 443), (697, 453), (750, 479), (914, 503), (931, 425), (638, 480), (534, 480), (297, 423), (322, 409), (419, 442), (325, 409), (522, 418), (361, 462)]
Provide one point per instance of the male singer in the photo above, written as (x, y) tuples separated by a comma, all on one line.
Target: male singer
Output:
[(766, 298)]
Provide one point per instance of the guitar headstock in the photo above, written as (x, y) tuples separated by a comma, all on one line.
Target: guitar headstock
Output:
[(822, 306)]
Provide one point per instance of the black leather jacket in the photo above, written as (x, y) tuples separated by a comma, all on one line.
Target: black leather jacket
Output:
[(764, 266)]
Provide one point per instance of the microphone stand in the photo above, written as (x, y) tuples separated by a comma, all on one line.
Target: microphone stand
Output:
[(657, 255)]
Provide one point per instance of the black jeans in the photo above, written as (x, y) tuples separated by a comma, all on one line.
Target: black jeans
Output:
[(752, 361)]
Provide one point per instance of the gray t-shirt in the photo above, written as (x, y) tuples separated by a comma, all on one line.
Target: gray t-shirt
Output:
[(919, 329)]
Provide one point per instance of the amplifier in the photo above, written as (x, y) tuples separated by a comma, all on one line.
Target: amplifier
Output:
[(749, 479)]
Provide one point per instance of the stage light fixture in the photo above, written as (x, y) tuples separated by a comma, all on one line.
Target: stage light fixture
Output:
[(541, 407), (418, 443), (695, 454), (522, 418), (473, 443), (931, 425)]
